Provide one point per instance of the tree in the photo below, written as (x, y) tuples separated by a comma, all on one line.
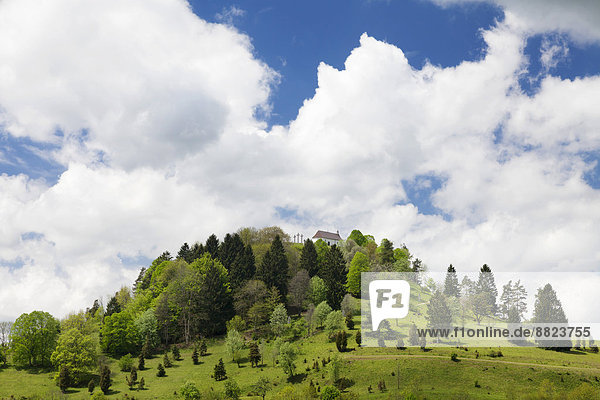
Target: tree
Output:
[(349, 322), (33, 339), (119, 335), (358, 338), (243, 267), (274, 267), (105, 381), (317, 290), (322, 249), (146, 326), (358, 237), (251, 293), (219, 371), (76, 352), (548, 309), (358, 265), (254, 355), (176, 353), (229, 249), (330, 393), (308, 258), (335, 277), (141, 362), (341, 341), (439, 315), (197, 251), (279, 320), (386, 252), (185, 253), (5, 329), (487, 285), (287, 356), (113, 307), (212, 246), (166, 361), (189, 391), (479, 305), (160, 371), (262, 387), (64, 378), (195, 356), (413, 338), (513, 296), (298, 290), (321, 313), (234, 344), (334, 321), (232, 390), (203, 348), (451, 284)]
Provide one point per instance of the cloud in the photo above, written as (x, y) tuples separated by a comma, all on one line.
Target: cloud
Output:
[(578, 18), (133, 83), (161, 145), (227, 15)]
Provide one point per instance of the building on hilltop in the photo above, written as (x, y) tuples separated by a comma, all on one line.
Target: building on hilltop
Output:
[(328, 237)]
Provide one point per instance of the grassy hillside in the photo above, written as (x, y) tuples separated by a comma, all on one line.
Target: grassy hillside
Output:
[(427, 374)]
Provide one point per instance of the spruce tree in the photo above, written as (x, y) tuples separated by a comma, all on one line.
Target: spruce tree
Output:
[(166, 361), (254, 354), (451, 283), (273, 270), (242, 269), (230, 249), (216, 303), (358, 338), (141, 362), (195, 356), (219, 372), (548, 309), (105, 379), (335, 277), (197, 250), (439, 315), (486, 284), (185, 253), (386, 252), (64, 378), (160, 371), (308, 258), (203, 348), (212, 246), (176, 353), (413, 338)]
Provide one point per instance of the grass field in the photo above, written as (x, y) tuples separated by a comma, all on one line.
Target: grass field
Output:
[(428, 374)]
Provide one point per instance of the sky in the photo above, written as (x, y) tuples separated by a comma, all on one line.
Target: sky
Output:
[(466, 129)]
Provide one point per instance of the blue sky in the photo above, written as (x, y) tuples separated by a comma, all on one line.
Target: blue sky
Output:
[(458, 127)]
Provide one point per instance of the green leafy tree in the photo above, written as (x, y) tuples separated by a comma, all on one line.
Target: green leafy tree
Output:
[(479, 305), (322, 249), (359, 264), (75, 351), (334, 276), (253, 292), (357, 237), (279, 320), (273, 270), (287, 358), (119, 335), (236, 323), (126, 363), (330, 393), (219, 372), (321, 313), (308, 258), (229, 249), (234, 343), (334, 321), (105, 381), (262, 387), (113, 307), (146, 326), (33, 339), (451, 287), (317, 290), (232, 390), (189, 391)]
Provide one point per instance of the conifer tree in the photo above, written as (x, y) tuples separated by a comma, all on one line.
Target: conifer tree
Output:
[(197, 250), (212, 246), (386, 252), (203, 348), (254, 354), (273, 270), (160, 371), (185, 253), (451, 287), (439, 315), (105, 381), (308, 258), (195, 356), (64, 378), (242, 269), (219, 372), (335, 277), (548, 309), (486, 284), (141, 362)]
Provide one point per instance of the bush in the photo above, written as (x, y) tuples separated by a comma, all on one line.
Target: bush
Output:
[(125, 363), (220, 373), (98, 396), (349, 322), (160, 371), (330, 393), (189, 391), (232, 390), (454, 357), (195, 356)]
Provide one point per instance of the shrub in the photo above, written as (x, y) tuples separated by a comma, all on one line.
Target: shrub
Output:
[(189, 391), (98, 396), (232, 390), (220, 373), (176, 353), (454, 357), (195, 356), (349, 322), (330, 393), (125, 363), (203, 348), (160, 371)]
